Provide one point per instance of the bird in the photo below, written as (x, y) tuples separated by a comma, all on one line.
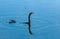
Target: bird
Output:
[(29, 22)]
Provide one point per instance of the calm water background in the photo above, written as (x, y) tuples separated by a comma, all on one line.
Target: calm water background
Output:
[(45, 21)]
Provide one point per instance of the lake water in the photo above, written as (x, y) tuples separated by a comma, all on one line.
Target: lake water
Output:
[(45, 22)]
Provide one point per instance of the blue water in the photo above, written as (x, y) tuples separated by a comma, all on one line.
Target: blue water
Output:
[(45, 22)]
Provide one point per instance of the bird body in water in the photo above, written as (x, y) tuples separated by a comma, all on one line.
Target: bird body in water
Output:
[(12, 21)]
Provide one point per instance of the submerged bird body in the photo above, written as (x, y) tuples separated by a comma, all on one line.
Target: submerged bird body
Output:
[(12, 21)]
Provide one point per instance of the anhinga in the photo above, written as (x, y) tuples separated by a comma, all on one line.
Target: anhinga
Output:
[(29, 22)]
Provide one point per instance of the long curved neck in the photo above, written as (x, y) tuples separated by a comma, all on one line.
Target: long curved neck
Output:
[(29, 23), (29, 17)]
